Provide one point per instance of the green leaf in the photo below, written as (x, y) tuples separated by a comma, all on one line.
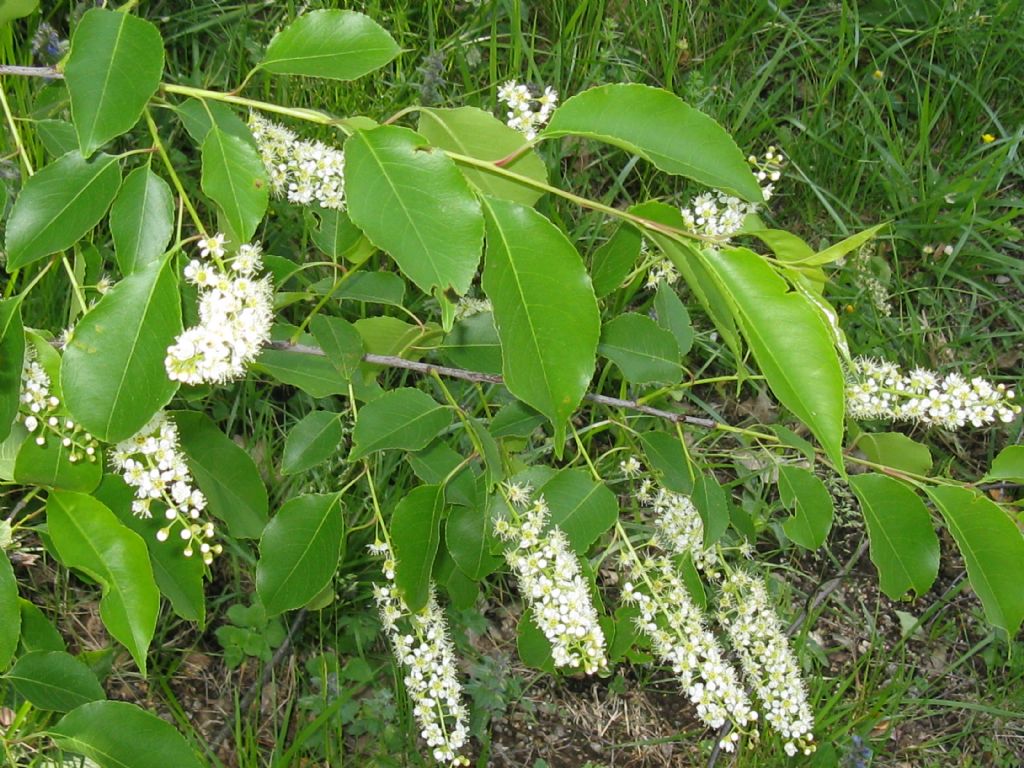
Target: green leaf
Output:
[(644, 352), (117, 734), (412, 202), (692, 266), (473, 132), (785, 245), (339, 238), (341, 45), (403, 418), (58, 136), (665, 454), (59, 205), (340, 342), (37, 631), (896, 450), (790, 342), (199, 116), (713, 506), (583, 508), (673, 317), (804, 493), (12, 357), (534, 648), (375, 288), (113, 372), (515, 420), (10, 613), (415, 536), (224, 473), (473, 343), (843, 247), (544, 311), (88, 537), (49, 465), (299, 551), (314, 374), (612, 262), (16, 9), (993, 549), (141, 220), (469, 538), (904, 547), (661, 128), (112, 72), (55, 681), (1008, 465), (311, 441), (179, 578), (236, 180)]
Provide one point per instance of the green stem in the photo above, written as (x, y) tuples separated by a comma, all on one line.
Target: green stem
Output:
[(15, 132), (173, 174)]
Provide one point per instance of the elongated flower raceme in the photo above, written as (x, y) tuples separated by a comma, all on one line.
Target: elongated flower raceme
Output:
[(40, 411), (681, 639), (151, 462), (766, 659), (877, 389), (425, 652), (235, 315), (302, 171), (679, 526), (551, 582)]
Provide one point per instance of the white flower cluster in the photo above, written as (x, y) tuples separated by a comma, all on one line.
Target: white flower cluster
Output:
[(766, 659), (680, 637), (863, 275), (880, 390), (469, 306), (40, 412), (302, 171), (423, 648), (551, 582), (717, 214), (528, 109), (235, 315), (151, 462), (678, 524)]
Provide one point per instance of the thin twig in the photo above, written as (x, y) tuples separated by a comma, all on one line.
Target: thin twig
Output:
[(14, 69), (820, 595), (430, 369)]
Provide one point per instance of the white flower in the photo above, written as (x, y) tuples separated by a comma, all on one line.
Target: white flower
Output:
[(526, 112), (212, 246), (303, 171), (40, 411), (551, 581)]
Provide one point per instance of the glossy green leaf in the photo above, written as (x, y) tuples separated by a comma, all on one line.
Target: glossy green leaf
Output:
[(660, 127), (339, 238), (88, 537), (473, 132), (340, 342), (473, 344), (544, 311), (785, 245), (790, 342), (113, 372), (615, 259), (692, 266), (12, 356), (904, 547), (314, 439), (1007, 466), (896, 450), (993, 549), (412, 202), (225, 474), (55, 681), (141, 220), (341, 45), (583, 508), (199, 116), (37, 631), (804, 493), (59, 205), (314, 374), (515, 420), (112, 72), (713, 506), (534, 648), (375, 288), (236, 180), (49, 465), (469, 539), (643, 351), (116, 734), (403, 418), (10, 612), (299, 551), (179, 578), (58, 136), (666, 456), (843, 247), (673, 317), (415, 536)]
